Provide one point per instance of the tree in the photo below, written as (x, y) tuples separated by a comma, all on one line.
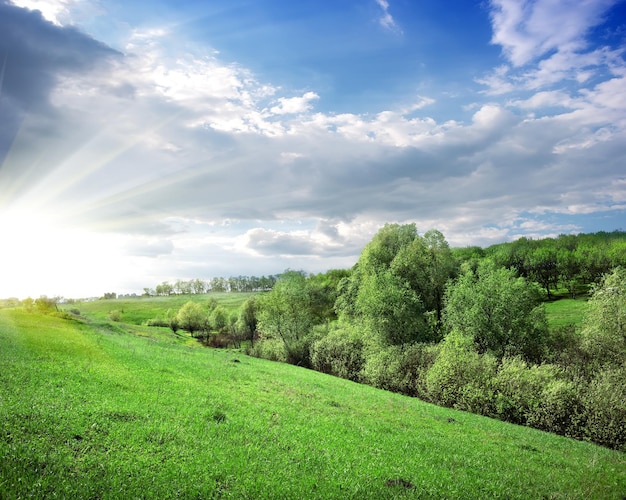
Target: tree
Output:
[(46, 304), (323, 292), (164, 289), (604, 325), (192, 317), (198, 286), (500, 311), (219, 319), (285, 313), (541, 265), (427, 264), (391, 309), (218, 285), (398, 285), (248, 319)]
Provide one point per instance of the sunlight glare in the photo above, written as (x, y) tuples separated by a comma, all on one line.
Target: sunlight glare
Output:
[(42, 256)]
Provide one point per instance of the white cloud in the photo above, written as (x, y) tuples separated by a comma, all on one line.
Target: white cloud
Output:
[(545, 43), (55, 11), (529, 29), (386, 20), (294, 105), (160, 147)]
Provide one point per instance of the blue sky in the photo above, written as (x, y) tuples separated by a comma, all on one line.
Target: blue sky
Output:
[(151, 141)]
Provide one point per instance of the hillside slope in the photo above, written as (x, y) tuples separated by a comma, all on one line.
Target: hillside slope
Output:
[(91, 410)]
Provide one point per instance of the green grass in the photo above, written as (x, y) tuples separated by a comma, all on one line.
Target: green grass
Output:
[(138, 310), (565, 312), (97, 411)]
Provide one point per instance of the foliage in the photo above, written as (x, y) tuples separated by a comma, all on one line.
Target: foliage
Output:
[(604, 402), (247, 321), (519, 388), (500, 311), (115, 315), (219, 319), (401, 369), (272, 349), (45, 304), (391, 309), (214, 285), (604, 327), (340, 353), (460, 377), (285, 313), (569, 260), (192, 318), (397, 287)]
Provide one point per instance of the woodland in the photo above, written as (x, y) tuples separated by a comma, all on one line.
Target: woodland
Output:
[(465, 328)]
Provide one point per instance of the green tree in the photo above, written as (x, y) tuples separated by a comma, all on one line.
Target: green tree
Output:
[(427, 264), (391, 309), (285, 313), (247, 320), (541, 265), (219, 319), (398, 285), (604, 325), (192, 318), (500, 311)]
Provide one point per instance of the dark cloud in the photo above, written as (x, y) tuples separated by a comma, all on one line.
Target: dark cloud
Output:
[(34, 54), (268, 242)]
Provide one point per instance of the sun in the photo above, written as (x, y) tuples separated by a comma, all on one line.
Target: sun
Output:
[(42, 254)]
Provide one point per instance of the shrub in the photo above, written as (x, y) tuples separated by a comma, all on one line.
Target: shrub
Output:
[(158, 321), (217, 340), (605, 408), (559, 409), (339, 353), (460, 377), (193, 318), (115, 315), (520, 388), (401, 368), (272, 349), (219, 319)]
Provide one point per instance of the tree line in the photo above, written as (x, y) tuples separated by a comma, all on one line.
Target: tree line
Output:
[(466, 328), (217, 284)]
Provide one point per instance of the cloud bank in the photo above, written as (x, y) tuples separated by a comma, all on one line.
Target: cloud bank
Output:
[(195, 167)]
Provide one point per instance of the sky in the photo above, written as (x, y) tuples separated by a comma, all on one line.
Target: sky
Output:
[(152, 141)]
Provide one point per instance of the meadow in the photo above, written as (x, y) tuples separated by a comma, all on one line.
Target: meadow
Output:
[(91, 408), (138, 310)]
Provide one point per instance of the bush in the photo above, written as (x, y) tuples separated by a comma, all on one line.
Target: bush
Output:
[(339, 353), (461, 378), (115, 315), (158, 321), (217, 340), (401, 368), (520, 388), (605, 408), (272, 349), (559, 409)]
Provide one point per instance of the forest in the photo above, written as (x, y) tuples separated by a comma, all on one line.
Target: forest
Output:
[(465, 328)]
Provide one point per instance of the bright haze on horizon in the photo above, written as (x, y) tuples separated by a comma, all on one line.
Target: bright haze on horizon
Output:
[(150, 141)]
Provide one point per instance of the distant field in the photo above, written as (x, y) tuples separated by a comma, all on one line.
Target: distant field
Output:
[(138, 310), (109, 410), (566, 312)]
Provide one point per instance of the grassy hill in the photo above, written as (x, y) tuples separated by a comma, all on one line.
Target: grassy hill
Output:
[(97, 409)]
